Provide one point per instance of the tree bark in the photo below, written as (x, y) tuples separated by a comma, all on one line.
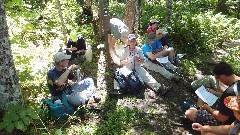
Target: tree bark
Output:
[(132, 15), (168, 13), (222, 7), (62, 22), (10, 91)]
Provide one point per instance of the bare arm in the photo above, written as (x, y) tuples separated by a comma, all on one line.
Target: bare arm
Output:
[(221, 129), (216, 114), (64, 76), (218, 94)]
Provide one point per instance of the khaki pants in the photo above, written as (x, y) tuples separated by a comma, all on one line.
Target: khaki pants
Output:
[(157, 68)]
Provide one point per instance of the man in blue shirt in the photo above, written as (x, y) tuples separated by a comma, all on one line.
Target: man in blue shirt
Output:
[(150, 56)]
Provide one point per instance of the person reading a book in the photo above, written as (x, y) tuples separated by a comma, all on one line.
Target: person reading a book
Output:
[(233, 103), (220, 115)]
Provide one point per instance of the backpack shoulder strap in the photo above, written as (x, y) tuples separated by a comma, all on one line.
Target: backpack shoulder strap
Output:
[(66, 104), (236, 89)]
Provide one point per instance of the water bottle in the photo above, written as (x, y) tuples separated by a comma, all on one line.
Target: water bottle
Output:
[(78, 75)]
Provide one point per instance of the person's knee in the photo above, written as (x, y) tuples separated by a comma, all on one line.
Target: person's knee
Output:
[(190, 114)]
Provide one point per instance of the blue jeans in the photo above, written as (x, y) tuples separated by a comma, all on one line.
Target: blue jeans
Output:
[(82, 91)]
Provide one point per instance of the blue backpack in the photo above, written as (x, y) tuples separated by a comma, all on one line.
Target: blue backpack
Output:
[(59, 111)]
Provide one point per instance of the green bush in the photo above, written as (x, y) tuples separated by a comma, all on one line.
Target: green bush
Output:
[(17, 117)]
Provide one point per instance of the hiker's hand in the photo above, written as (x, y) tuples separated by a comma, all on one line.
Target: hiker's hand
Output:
[(73, 48), (165, 47), (205, 107), (126, 61), (197, 127), (136, 58), (72, 67)]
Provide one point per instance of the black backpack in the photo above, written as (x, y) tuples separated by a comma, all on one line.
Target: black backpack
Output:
[(130, 83)]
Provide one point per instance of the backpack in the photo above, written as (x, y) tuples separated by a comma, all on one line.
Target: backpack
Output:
[(128, 83), (59, 111)]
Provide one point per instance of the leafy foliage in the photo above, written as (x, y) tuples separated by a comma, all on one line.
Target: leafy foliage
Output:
[(18, 118), (36, 33)]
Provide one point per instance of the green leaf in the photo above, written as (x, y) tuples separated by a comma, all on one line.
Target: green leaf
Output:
[(19, 125), (58, 132), (15, 117), (10, 127), (33, 115), (22, 113), (13, 108), (7, 118), (26, 120), (2, 125)]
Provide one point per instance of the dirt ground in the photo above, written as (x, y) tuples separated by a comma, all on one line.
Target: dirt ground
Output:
[(168, 114)]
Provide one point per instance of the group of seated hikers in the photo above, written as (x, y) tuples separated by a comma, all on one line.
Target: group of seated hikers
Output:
[(158, 55)]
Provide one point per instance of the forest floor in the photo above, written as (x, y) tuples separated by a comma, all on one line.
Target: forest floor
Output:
[(143, 113), (161, 115)]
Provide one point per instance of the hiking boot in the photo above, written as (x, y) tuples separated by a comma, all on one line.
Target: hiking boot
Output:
[(176, 79)]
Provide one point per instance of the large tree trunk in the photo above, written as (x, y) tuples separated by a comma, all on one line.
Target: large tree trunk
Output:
[(222, 7), (168, 13), (10, 91), (62, 22), (132, 15)]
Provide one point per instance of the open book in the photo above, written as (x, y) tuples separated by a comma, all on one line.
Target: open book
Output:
[(206, 96)]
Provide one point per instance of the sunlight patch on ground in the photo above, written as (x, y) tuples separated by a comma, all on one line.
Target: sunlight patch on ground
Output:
[(145, 105), (101, 81)]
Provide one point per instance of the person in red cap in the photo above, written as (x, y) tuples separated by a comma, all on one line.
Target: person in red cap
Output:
[(153, 24)]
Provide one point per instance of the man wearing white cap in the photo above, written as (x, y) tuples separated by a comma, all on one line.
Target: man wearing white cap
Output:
[(57, 80), (153, 24), (163, 47), (150, 58)]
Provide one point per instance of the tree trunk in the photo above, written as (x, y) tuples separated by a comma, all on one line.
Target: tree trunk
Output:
[(222, 7), (62, 22), (10, 91), (132, 15), (168, 13)]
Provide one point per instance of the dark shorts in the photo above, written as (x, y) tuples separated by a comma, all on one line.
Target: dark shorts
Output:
[(206, 118)]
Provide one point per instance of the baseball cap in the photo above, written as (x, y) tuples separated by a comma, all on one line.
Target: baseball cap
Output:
[(163, 31), (232, 102), (151, 37), (154, 21), (59, 56), (131, 37), (73, 36), (124, 34)]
